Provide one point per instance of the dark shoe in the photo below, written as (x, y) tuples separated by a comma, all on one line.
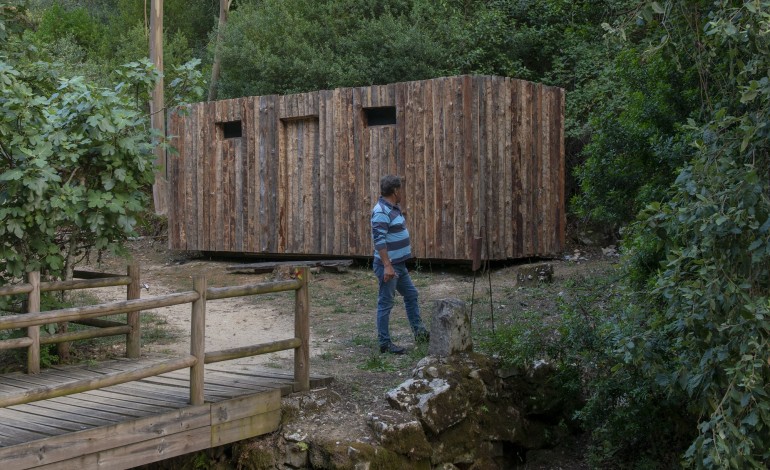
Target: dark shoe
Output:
[(392, 349), (422, 337)]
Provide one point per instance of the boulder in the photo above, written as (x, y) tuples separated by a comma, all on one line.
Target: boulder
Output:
[(401, 433), (450, 328), (535, 273)]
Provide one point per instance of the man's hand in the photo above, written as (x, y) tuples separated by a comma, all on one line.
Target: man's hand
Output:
[(389, 273)]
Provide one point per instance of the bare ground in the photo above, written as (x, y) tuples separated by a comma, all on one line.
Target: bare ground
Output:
[(343, 338)]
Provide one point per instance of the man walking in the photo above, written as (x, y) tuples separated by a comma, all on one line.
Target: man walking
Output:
[(391, 250)]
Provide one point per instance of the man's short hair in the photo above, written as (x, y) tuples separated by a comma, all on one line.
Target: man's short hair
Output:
[(389, 184)]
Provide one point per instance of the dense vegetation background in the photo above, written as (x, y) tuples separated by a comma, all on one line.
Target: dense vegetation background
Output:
[(667, 149)]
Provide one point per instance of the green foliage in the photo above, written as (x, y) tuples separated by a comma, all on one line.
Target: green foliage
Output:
[(705, 331), (298, 45), (74, 160), (637, 146), (630, 418), (77, 23)]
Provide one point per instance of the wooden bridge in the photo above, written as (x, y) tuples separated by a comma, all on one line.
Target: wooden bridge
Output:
[(140, 409)]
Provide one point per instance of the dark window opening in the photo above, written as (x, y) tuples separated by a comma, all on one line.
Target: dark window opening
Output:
[(231, 129), (383, 116)]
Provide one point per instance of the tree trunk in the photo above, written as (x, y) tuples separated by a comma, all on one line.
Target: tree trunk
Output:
[(158, 108), (63, 349), (224, 9)]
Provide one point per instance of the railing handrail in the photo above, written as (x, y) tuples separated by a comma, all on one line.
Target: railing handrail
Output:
[(109, 280), (23, 320), (198, 356)]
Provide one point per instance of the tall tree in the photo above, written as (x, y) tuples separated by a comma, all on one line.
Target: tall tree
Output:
[(224, 9), (158, 108)]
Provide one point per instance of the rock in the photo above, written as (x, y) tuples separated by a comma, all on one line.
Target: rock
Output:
[(537, 273), (438, 405), (401, 433), (296, 454), (359, 456), (450, 328)]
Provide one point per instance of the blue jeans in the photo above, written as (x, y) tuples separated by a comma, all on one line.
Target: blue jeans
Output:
[(403, 284)]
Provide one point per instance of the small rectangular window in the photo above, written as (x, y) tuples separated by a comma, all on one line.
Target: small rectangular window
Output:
[(230, 129), (381, 116)]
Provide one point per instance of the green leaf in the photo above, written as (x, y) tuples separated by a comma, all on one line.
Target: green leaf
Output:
[(11, 175), (749, 95)]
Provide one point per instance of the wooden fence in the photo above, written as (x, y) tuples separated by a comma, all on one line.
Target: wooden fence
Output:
[(198, 297), (298, 174)]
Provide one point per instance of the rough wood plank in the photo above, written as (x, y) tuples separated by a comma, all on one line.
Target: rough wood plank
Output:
[(71, 413), (81, 408), (59, 421), (153, 450), (458, 173), (245, 428), (414, 155), (435, 163), (73, 445), (357, 180), (501, 190), (268, 266), (28, 429), (429, 217), (244, 407)]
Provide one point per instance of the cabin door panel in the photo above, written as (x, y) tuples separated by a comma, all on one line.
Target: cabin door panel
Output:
[(299, 187)]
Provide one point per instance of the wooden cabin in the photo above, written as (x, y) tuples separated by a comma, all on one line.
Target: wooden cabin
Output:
[(482, 156)]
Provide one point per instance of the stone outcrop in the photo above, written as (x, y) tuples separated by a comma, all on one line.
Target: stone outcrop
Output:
[(471, 411), (535, 273), (450, 328)]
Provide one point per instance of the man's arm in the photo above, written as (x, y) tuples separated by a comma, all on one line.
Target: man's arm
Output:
[(380, 223), (389, 273)]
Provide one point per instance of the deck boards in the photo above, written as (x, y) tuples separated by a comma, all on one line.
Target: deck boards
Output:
[(138, 422)]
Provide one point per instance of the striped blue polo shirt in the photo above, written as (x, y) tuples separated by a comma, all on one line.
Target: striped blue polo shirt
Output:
[(389, 231)]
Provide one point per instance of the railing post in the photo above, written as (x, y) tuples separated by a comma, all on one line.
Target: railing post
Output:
[(302, 331), (198, 340), (33, 332), (134, 337)]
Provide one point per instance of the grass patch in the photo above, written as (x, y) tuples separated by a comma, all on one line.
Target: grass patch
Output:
[(361, 340), (378, 363)]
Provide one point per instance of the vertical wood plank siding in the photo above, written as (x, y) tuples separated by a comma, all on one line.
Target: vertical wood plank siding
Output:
[(482, 156)]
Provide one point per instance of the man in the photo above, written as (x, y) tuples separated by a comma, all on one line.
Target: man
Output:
[(391, 250)]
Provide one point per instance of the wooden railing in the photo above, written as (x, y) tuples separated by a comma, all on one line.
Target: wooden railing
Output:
[(198, 356)]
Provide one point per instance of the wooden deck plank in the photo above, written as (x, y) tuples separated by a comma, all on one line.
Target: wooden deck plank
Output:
[(133, 397), (119, 400), (31, 427), (78, 401), (145, 391), (67, 412), (16, 436), (45, 420), (153, 450), (245, 428), (208, 387), (138, 422), (243, 407), (56, 405), (75, 445)]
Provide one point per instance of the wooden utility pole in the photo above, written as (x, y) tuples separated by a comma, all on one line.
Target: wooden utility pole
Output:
[(158, 108), (224, 9)]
